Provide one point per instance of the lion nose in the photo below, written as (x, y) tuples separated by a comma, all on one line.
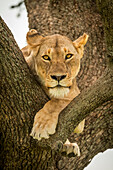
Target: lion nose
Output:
[(58, 78)]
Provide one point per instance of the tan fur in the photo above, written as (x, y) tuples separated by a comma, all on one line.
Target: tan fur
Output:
[(57, 75)]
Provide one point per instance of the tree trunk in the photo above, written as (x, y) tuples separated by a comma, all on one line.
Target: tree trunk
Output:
[(21, 95)]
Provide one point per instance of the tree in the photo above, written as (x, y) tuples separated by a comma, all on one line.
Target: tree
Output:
[(21, 95)]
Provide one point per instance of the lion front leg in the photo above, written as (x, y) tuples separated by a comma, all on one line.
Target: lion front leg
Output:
[(46, 119), (44, 124)]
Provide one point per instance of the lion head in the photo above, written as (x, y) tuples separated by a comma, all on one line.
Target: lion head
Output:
[(55, 59)]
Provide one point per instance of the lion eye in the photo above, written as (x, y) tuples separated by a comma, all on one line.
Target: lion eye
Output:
[(68, 56), (46, 57)]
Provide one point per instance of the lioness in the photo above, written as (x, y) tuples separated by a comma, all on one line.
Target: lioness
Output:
[(56, 61)]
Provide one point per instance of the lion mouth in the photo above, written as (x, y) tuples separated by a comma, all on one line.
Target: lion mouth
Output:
[(60, 86), (59, 91)]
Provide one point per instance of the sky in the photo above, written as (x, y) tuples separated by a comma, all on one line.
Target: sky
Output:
[(19, 28)]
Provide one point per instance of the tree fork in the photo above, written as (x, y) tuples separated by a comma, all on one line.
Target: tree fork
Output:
[(19, 118)]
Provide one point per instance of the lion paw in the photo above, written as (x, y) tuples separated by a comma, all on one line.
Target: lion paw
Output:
[(44, 125), (67, 149), (71, 149)]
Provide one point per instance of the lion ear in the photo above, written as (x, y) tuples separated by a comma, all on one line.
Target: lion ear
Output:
[(30, 51), (33, 38), (79, 44)]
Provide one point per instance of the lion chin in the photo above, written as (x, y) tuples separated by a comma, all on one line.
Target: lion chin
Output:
[(59, 92)]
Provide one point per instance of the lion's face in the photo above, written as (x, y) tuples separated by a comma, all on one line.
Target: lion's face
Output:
[(57, 63)]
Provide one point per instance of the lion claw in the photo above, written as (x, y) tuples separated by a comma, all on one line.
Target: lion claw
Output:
[(71, 149), (67, 149)]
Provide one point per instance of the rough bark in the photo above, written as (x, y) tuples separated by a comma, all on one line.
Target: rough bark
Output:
[(21, 96), (19, 102), (106, 9)]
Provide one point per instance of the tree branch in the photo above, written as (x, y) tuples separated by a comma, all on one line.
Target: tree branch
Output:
[(18, 5)]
